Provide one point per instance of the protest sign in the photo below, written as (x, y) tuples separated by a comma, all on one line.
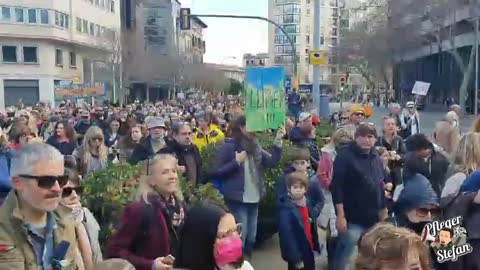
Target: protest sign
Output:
[(420, 88), (265, 98)]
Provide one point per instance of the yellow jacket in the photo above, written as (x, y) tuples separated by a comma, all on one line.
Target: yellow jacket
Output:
[(200, 139), (17, 252)]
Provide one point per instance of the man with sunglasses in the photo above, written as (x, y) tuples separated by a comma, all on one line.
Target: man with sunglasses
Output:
[(34, 234), (357, 117)]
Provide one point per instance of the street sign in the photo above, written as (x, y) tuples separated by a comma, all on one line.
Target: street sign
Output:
[(318, 57), (420, 88), (185, 19), (288, 85)]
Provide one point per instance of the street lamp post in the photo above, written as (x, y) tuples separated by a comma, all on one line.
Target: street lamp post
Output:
[(476, 66), (316, 45)]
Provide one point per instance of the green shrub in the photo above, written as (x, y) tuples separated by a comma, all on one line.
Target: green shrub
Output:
[(108, 191)]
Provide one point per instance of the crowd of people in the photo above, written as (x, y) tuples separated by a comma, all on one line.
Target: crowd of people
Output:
[(362, 200)]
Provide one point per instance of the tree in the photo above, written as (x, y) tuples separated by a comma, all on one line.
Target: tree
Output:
[(236, 87)]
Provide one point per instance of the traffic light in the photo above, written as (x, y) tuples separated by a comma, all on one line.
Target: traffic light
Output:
[(185, 19), (343, 83)]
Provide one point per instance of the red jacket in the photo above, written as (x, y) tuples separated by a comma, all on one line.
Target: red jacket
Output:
[(122, 244)]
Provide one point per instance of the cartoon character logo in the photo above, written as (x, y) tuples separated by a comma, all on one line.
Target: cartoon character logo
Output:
[(447, 238)]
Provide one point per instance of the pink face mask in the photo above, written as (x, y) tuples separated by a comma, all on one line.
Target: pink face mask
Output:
[(228, 250)]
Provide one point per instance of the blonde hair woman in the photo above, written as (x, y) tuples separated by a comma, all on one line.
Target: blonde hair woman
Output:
[(148, 236), (446, 136), (465, 160), (92, 155), (387, 247)]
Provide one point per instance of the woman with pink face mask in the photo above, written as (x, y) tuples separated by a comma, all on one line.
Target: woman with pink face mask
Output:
[(210, 240)]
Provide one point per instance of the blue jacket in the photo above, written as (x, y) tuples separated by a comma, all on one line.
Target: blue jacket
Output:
[(294, 244), (314, 192), (232, 175), (5, 178), (298, 138), (358, 183)]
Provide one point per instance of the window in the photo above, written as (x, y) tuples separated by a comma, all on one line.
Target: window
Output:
[(308, 11), (307, 39), (97, 2), (58, 57), (97, 30), (322, 40), (78, 24), (6, 16), (112, 6), (61, 20), (92, 29), (333, 70), (44, 16), (9, 54), (334, 32), (19, 15), (30, 55), (102, 3), (308, 1), (32, 16), (334, 42), (85, 26), (73, 59)]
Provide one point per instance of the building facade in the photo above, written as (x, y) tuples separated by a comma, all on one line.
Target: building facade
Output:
[(230, 72), (297, 17), (192, 45), (152, 28), (45, 42), (256, 60), (431, 61)]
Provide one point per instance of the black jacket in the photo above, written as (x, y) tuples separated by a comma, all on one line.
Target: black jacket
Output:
[(358, 184), (179, 151), (434, 169)]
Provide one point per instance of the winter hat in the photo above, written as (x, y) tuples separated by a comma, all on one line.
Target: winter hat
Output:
[(417, 192), (472, 183)]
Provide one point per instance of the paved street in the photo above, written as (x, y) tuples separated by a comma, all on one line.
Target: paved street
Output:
[(268, 255)]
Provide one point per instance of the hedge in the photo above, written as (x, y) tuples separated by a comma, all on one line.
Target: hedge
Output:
[(106, 192)]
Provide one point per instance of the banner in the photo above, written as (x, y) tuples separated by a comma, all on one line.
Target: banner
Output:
[(84, 90), (265, 98)]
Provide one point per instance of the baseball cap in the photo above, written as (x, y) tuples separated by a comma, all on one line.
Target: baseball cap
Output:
[(410, 104), (155, 122), (303, 116), (357, 109)]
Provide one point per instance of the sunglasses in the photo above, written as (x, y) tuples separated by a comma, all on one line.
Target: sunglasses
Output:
[(97, 139), (237, 229), (359, 114), (46, 181), (423, 212), (67, 191)]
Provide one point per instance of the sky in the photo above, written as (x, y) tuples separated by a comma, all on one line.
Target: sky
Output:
[(228, 38)]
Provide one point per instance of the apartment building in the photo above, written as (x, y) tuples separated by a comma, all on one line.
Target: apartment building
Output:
[(45, 42), (191, 43), (252, 60), (297, 17)]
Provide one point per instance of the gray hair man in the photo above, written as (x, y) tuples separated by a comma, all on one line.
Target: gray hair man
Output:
[(31, 227)]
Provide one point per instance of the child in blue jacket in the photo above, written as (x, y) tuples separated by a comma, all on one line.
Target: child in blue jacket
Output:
[(300, 162), (297, 229)]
